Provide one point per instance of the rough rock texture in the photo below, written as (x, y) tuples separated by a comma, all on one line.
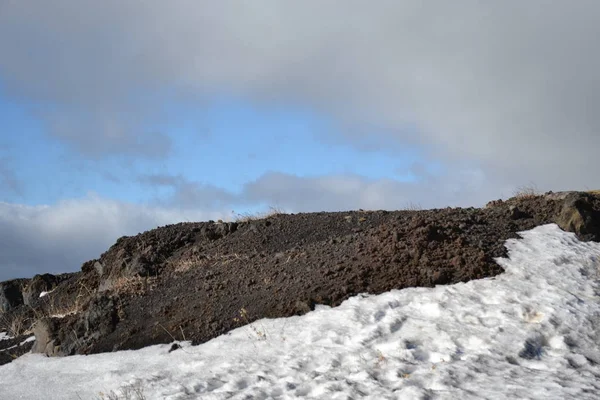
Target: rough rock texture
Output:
[(191, 281), (580, 214), (11, 294), (11, 349), (39, 284), (46, 341)]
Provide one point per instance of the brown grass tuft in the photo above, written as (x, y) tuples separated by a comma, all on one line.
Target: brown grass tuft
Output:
[(246, 217), (136, 285), (526, 191), (15, 324)]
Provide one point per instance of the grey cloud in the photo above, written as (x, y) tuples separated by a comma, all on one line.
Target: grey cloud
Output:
[(104, 132), (512, 86), (77, 64), (466, 186), (162, 180), (350, 192), (189, 194)]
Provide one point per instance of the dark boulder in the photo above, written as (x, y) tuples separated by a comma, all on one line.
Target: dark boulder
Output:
[(11, 294), (580, 214), (46, 338), (57, 337), (37, 285)]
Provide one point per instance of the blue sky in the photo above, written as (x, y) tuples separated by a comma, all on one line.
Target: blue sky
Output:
[(117, 117), (226, 144)]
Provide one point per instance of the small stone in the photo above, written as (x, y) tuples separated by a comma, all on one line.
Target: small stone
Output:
[(174, 346)]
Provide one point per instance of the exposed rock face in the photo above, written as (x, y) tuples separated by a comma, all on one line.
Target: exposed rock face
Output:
[(10, 349), (580, 214), (46, 337), (11, 294), (68, 334), (144, 255), (37, 285), (191, 280)]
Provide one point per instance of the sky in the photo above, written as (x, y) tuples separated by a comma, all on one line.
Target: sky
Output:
[(530, 333), (120, 116)]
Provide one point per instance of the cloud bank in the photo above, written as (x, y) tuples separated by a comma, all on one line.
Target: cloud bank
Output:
[(510, 85), (59, 238), (330, 192)]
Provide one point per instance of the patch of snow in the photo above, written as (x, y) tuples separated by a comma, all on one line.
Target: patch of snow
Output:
[(532, 332), (5, 336), (43, 294), (29, 339), (62, 315)]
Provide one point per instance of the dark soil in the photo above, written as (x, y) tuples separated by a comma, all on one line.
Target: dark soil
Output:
[(190, 281)]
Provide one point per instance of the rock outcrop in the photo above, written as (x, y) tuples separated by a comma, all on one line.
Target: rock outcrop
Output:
[(580, 214), (191, 281), (11, 294)]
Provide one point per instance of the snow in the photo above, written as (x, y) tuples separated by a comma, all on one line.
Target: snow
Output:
[(532, 332), (5, 336), (46, 293)]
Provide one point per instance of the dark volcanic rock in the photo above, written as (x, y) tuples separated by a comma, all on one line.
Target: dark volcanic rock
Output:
[(37, 285), (580, 214), (11, 349), (11, 294), (194, 281), (46, 337)]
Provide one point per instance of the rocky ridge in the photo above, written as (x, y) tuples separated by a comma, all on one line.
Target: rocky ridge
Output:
[(195, 281)]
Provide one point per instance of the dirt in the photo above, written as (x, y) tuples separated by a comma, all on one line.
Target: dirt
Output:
[(195, 281)]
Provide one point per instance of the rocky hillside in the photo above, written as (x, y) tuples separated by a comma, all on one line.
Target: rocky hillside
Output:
[(195, 281)]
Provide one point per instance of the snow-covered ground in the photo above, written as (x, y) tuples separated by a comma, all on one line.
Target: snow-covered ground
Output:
[(532, 332)]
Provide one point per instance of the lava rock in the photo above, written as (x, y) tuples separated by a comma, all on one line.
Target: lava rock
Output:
[(11, 294)]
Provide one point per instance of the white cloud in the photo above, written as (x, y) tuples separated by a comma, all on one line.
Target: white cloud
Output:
[(351, 192), (464, 187), (59, 238)]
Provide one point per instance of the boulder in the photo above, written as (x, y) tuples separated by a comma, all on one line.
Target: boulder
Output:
[(37, 285), (57, 337), (517, 213), (101, 317), (46, 341), (11, 294), (580, 214)]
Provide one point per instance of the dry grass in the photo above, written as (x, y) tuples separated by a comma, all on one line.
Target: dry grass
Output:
[(203, 260), (133, 391), (526, 191), (15, 324), (381, 359), (411, 206), (260, 334), (135, 286), (186, 265), (22, 323), (55, 308), (246, 217)]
